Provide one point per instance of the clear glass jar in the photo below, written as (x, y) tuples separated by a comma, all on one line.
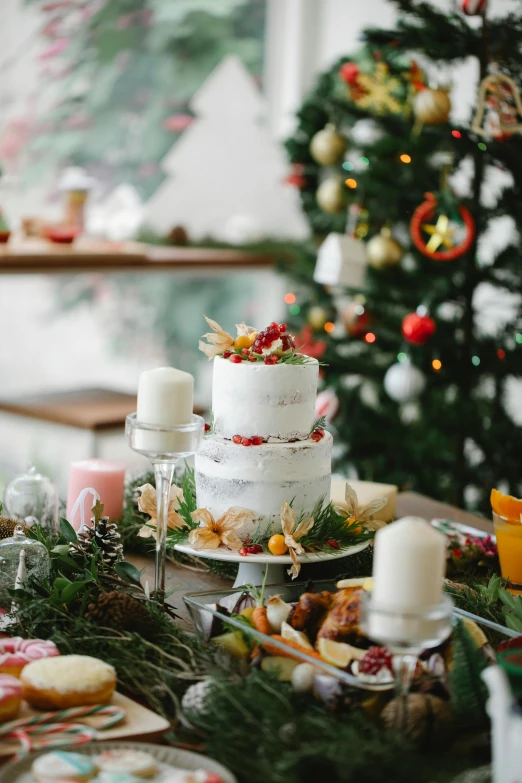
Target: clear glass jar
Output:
[(32, 498), (21, 558)]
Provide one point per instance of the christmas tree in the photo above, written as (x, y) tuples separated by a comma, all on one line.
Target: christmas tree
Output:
[(421, 377)]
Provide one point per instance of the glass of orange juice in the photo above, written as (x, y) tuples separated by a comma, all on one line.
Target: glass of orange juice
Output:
[(507, 518), (509, 544)]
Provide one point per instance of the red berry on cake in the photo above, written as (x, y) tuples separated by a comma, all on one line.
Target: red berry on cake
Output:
[(237, 438), (252, 358), (317, 435), (246, 441), (271, 359), (236, 358), (243, 551), (282, 328), (333, 543), (227, 354), (257, 440), (245, 351)]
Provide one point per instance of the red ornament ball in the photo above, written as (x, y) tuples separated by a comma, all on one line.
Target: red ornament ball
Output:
[(473, 7), (417, 329), (349, 73)]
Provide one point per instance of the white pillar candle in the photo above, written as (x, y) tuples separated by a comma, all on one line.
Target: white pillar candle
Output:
[(165, 399), (408, 573)]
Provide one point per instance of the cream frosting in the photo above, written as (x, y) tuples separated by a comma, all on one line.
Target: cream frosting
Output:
[(15, 651), (69, 673), (272, 401), (261, 478)]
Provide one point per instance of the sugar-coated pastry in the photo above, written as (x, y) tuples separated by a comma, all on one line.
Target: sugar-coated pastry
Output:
[(127, 761), (68, 681), (59, 765), (10, 697), (16, 653)]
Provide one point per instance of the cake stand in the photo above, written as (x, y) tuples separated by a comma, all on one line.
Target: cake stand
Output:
[(251, 567)]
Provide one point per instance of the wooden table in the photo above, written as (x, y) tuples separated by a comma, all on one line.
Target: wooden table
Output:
[(37, 256), (184, 580)]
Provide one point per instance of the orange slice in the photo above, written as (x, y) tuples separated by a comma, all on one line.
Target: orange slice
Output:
[(506, 505)]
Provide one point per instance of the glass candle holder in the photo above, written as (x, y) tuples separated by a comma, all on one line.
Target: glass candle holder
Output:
[(165, 447), (21, 558), (508, 533), (406, 633), (32, 498)]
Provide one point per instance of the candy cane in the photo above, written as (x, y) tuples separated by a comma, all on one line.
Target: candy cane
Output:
[(113, 715), (49, 730)]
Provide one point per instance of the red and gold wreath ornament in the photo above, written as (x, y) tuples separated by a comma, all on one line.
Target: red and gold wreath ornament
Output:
[(439, 236)]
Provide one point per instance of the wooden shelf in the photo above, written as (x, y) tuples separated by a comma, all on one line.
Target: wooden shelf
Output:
[(37, 256)]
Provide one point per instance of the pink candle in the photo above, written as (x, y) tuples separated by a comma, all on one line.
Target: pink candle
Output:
[(107, 478)]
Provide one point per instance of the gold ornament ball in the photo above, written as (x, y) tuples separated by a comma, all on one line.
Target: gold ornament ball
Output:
[(327, 146), (329, 195), (432, 107), (317, 317), (383, 250)]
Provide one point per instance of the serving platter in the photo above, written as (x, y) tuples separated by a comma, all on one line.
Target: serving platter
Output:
[(166, 758)]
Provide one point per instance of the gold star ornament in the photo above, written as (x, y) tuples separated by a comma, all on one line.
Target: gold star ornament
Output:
[(440, 234)]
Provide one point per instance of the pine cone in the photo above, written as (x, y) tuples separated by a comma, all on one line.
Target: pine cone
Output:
[(103, 535), (121, 612), (7, 526)]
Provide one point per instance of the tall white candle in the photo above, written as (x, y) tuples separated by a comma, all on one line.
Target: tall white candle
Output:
[(409, 565), (408, 573), (165, 399)]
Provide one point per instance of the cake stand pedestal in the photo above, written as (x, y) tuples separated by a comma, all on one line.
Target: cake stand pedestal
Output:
[(251, 567)]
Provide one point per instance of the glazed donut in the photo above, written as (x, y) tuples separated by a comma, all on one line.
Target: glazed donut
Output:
[(15, 653), (10, 697), (68, 681)]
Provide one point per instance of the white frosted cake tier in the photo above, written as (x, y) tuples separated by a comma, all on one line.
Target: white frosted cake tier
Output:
[(273, 401), (261, 478)]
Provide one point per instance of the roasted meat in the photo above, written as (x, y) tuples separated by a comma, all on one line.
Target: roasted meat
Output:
[(342, 620), (310, 612)]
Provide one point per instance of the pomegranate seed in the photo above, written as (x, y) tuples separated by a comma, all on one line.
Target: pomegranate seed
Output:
[(243, 551), (274, 325), (333, 543), (270, 359), (255, 549), (246, 442), (236, 358), (227, 354), (245, 351), (207, 427), (283, 328), (237, 439), (252, 358), (257, 349), (257, 440), (316, 436)]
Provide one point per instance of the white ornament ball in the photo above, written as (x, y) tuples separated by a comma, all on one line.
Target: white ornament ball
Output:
[(241, 230), (195, 697), (303, 678), (366, 132), (403, 382)]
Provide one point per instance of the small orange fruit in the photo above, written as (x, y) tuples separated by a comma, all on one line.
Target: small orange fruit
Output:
[(277, 545), (506, 505), (355, 530), (242, 342)]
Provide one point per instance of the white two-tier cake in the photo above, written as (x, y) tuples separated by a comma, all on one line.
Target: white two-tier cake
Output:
[(264, 448)]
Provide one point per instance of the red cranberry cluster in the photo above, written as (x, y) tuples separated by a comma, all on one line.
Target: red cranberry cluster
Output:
[(268, 336), (252, 549), (333, 543), (375, 659), (317, 435), (256, 440)]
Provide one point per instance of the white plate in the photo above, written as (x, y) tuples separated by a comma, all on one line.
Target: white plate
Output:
[(233, 557), (20, 771)]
